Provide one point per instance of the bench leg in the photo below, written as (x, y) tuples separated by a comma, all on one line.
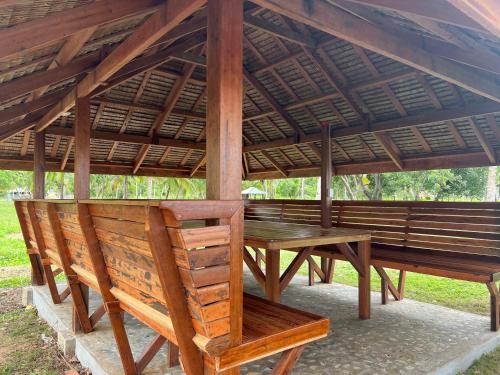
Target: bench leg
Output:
[(364, 255), (384, 291), (149, 353), (401, 284), (273, 275), (121, 339), (36, 269), (495, 306), (287, 361), (311, 272)]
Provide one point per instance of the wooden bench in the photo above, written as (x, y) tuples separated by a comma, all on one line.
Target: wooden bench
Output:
[(184, 282), (40, 246), (454, 240)]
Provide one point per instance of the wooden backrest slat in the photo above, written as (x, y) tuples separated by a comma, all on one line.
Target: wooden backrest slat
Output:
[(466, 227)]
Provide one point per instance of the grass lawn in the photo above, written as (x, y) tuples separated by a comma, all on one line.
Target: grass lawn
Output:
[(461, 295)]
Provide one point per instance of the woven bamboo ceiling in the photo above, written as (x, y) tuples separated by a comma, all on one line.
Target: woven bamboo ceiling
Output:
[(405, 85)]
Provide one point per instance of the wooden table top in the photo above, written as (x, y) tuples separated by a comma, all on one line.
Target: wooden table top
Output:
[(276, 235)]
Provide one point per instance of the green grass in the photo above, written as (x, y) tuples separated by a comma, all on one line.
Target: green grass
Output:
[(12, 250), (21, 332), (488, 364)]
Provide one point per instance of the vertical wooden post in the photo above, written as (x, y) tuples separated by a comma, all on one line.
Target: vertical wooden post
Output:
[(82, 171), (225, 99), (326, 193), (326, 177), (39, 166), (38, 193), (224, 133), (82, 148)]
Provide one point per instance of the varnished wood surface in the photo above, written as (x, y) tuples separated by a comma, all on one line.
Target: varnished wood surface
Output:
[(276, 236)]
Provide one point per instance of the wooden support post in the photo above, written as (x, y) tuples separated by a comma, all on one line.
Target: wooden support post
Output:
[(82, 169), (82, 148), (39, 166), (364, 254), (326, 189), (224, 133), (225, 99)]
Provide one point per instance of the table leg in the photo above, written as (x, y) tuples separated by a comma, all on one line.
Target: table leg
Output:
[(364, 255), (273, 275)]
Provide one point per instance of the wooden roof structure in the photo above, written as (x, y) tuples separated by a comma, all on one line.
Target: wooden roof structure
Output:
[(405, 85)]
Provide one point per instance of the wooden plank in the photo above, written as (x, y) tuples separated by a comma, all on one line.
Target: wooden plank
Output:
[(364, 255), (485, 143)]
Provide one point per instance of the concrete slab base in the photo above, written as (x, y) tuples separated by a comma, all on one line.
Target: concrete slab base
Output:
[(405, 337)]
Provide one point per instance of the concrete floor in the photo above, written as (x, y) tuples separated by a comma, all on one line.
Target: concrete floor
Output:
[(406, 337)]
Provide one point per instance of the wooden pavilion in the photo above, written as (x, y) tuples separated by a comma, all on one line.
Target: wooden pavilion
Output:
[(232, 90)]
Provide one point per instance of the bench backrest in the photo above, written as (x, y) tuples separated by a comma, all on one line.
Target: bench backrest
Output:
[(174, 265), (132, 247), (448, 226)]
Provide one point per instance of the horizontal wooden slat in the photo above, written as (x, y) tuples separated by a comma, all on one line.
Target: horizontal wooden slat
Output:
[(200, 237)]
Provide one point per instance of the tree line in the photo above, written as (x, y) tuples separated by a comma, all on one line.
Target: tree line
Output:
[(471, 184)]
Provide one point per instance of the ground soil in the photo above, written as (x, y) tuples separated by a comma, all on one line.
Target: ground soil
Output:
[(28, 345)]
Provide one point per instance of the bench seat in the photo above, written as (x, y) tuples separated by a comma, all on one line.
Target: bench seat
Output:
[(450, 264), (270, 328)]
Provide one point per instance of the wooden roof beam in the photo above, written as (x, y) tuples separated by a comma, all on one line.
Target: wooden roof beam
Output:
[(275, 163), (344, 25), (484, 142), (279, 31), (40, 32), (428, 9), (162, 21), (388, 147), (439, 161), (198, 165), (484, 12), (474, 55)]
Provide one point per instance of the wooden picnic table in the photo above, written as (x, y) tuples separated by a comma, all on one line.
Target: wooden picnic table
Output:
[(274, 237)]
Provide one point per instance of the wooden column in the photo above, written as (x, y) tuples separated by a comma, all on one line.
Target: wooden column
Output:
[(39, 166), (326, 176), (224, 132), (225, 99), (327, 264), (82, 172), (82, 148)]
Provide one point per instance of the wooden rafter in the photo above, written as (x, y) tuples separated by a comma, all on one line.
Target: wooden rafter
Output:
[(428, 9), (389, 148), (456, 135), (275, 163), (344, 25), (484, 142), (26, 36), (162, 21), (484, 12)]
